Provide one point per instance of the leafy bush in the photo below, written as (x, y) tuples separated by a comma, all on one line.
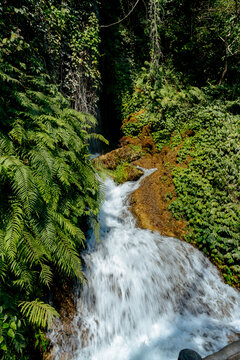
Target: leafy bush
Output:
[(208, 192), (12, 334), (205, 125)]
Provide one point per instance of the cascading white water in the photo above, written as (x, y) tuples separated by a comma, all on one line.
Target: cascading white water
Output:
[(148, 296)]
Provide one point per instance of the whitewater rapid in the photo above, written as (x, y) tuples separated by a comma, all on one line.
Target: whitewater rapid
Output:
[(147, 296)]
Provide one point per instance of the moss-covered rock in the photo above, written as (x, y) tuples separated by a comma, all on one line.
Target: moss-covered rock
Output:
[(124, 154)]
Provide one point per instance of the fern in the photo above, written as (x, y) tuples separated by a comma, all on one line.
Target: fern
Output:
[(13, 230), (47, 183), (38, 313), (98, 137), (18, 132), (46, 275), (30, 249), (7, 78), (47, 186)]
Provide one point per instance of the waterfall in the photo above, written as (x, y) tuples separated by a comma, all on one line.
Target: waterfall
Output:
[(147, 296)]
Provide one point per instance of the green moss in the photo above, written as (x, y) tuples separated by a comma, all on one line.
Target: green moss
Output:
[(123, 172), (137, 149)]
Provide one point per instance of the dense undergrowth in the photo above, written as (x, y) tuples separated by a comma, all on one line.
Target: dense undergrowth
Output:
[(205, 123), (48, 187)]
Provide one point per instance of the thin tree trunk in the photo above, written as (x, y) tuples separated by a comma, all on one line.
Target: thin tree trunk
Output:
[(225, 68)]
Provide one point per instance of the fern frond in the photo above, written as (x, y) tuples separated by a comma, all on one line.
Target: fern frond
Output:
[(7, 78), (69, 155), (6, 146), (18, 132), (24, 187), (13, 230), (30, 249), (42, 161), (9, 162), (23, 100), (46, 122), (88, 118), (66, 257), (69, 227), (3, 265), (3, 270), (42, 139), (62, 171), (38, 313), (26, 278), (98, 137), (46, 275), (46, 231), (2, 249)]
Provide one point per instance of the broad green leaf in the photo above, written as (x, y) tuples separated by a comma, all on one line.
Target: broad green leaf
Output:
[(11, 333), (13, 325), (4, 347)]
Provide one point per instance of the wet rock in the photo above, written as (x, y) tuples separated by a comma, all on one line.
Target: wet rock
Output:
[(229, 352), (188, 354), (65, 356), (64, 339)]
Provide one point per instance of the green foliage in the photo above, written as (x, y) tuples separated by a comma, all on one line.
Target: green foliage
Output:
[(41, 341), (43, 158), (120, 174), (205, 125), (48, 186), (12, 339), (57, 38), (198, 41), (208, 190), (125, 171), (134, 128), (38, 313), (200, 38)]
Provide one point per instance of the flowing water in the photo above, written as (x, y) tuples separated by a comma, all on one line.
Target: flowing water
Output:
[(147, 296)]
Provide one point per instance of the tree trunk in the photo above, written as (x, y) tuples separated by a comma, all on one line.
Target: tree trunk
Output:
[(225, 65)]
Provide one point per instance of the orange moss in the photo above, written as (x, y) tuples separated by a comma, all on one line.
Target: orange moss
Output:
[(149, 203)]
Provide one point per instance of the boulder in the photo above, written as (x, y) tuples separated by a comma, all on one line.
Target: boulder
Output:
[(119, 156), (188, 354)]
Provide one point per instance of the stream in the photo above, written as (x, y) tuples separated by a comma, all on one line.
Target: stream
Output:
[(148, 296)]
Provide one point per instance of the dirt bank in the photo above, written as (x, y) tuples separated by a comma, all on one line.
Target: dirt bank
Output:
[(149, 203)]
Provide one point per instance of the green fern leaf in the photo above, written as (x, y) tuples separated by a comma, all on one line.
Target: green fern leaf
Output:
[(38, 313)]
